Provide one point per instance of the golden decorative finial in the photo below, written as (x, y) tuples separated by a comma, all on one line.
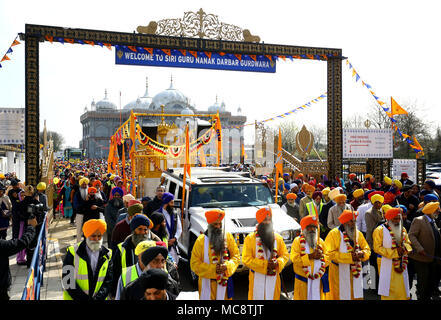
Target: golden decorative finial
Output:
[(162, 117)]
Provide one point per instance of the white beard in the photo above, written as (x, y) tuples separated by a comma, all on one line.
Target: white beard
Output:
[(311, 239), (291, 205), (83, 192), (98, 195), (94, 245), (397, 231)]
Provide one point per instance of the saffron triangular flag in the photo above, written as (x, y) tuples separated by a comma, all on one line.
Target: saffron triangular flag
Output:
[(194, 53), (184, 52), (5, 58), (149, 50), (16, 42), (50, 39), (90, 42), (167, 51), (108, 45), (238, 56), (396, 108), (133, 48), (208, 54)]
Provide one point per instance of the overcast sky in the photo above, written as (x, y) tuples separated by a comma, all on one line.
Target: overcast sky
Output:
[(392, 45)]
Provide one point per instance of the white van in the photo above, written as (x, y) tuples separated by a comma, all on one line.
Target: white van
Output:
[(234, 192)]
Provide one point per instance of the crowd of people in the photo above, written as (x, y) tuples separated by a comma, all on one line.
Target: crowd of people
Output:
[(395, 224), (126, 248)]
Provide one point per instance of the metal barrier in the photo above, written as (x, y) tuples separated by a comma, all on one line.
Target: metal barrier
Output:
[(34, 280)]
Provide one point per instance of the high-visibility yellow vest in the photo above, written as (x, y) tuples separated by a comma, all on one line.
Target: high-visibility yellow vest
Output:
[(129, 274), (312, 209), (123, 252), (81, 273)]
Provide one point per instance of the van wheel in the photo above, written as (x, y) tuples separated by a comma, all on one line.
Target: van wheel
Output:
[(193, 277)]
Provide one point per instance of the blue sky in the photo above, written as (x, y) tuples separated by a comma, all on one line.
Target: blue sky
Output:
[(391, 44)]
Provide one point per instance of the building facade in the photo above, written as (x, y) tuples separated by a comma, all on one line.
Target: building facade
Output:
[(103, 118)]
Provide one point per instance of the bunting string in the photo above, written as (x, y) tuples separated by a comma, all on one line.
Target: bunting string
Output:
[(9, 51), (390, 112), (284, 115), (173, 151)]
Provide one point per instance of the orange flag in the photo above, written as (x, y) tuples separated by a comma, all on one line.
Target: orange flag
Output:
[(69, 40), (49, 38), (133, 48), (149, 50), (5, 58), (16, 42), (89, 42), (194, 53), (166, 51), (208, 53), (253, 56), (187, 170), (202, 157), (238, 56), (108, 45), (396, 108), (184, 52), (218, 129)]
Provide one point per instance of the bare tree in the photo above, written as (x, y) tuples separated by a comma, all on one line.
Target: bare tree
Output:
[(56, 137)]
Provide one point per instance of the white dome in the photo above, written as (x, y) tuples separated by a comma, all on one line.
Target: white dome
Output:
[(187, 111), (216, 107), (105, 104), (143, 102), (172, 99)]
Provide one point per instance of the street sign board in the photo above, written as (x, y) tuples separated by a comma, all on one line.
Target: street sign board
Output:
[(367, 143)]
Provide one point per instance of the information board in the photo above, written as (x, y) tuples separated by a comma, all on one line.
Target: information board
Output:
[(367, 143), (404, 165), (12, 125)]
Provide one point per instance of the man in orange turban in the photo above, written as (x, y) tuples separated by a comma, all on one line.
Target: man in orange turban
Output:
[(265, 254), (84, 256), (291, 207), (309, 258), (214, 258), (392, 258), (347, 249)]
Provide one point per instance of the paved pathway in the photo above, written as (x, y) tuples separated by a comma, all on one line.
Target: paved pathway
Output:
[(61, 235)]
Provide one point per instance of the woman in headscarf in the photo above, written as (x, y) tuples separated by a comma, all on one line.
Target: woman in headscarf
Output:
[(66, 196)]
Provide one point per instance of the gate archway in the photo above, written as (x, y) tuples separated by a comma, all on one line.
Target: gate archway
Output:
[(196, 32)]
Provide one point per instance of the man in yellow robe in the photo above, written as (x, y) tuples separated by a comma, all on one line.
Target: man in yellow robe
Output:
[(345, 274), (265, 254), (212, 261), (309, 262), (393, 284)]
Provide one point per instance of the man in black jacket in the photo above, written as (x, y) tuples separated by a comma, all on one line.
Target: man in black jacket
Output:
[(9, 248), (156, 203)]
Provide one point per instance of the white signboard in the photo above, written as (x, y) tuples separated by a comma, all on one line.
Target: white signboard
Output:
[(12, 126), (404, 165), (367, 143)]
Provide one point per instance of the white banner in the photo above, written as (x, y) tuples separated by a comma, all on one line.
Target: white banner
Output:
[(367, 143), (12, 125), (404, 165)]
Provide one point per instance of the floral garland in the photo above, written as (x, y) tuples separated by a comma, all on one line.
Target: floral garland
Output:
[(355, 268), (261, 256), (305, 268), (220, 278), (400, 264)]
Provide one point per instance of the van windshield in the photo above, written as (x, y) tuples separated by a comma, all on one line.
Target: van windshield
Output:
[(230, 195)]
